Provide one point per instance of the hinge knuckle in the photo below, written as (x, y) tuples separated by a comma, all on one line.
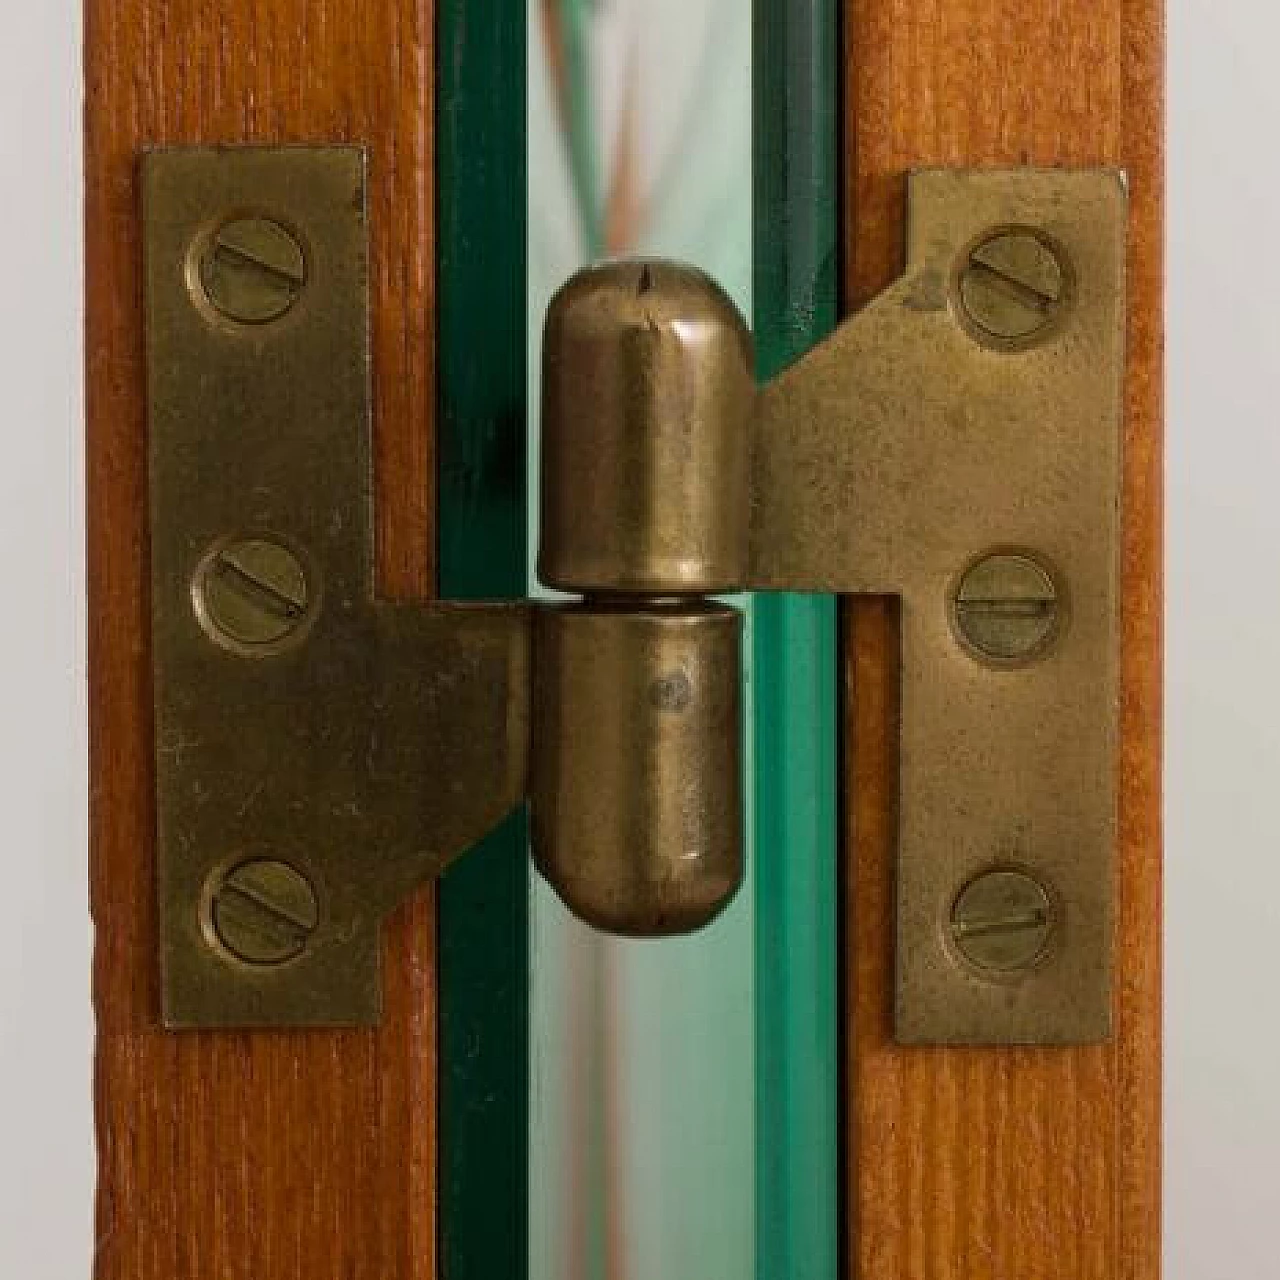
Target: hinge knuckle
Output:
[(320, 753)]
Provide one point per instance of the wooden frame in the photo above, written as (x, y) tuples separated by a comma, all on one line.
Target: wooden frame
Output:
[(279, 1155), (995, 1163)]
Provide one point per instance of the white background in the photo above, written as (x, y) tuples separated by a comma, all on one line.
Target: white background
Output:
[(46, 1161), (1222, 1117), (1223, 757)]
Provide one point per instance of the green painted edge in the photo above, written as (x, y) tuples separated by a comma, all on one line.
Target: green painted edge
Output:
[(484, 898), (794, 657)]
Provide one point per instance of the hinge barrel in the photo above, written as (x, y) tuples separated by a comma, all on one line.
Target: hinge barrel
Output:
[(320, 753)]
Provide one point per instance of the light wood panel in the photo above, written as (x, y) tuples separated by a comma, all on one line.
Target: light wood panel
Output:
[(998, 1164), (267, 1156)]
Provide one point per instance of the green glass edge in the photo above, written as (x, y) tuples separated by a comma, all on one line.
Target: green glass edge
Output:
[(794, 655), (483, 922)]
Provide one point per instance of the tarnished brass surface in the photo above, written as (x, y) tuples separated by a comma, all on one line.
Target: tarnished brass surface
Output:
[(956, 444), (636, 778), (892, 459), (647, 387), (368, 752)]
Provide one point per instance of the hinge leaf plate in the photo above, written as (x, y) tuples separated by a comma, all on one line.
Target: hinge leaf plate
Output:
[(890, 460)]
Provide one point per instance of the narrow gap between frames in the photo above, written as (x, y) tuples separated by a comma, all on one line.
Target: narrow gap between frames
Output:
[(483, 554)]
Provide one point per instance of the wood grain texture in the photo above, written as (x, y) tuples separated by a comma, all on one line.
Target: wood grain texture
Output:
[(279, 1156), (1003, 1164)]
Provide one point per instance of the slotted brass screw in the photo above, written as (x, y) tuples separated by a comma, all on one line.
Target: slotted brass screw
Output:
[(253, 270), (254, 592), (1006, 607), (1002, 921), (1014, 288), (264, 912)]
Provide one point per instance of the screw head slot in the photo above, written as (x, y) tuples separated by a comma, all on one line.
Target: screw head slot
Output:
[(1006, 608), (252, 270), (1014, 287), (263, 912), (253, 594), (1003, 921)]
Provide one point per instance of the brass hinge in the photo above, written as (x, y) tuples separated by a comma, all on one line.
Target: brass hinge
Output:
[(319, 753)]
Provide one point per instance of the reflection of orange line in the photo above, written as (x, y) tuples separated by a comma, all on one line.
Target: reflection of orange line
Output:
[(622, 215), (553, 39)]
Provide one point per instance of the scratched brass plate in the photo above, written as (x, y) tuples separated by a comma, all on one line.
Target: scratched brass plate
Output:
[(319, 754), (890, 460), (314, 773)]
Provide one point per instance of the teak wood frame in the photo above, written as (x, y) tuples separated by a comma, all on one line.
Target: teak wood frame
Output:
[(274, 1156), (277, 1156), (984, 1164)]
